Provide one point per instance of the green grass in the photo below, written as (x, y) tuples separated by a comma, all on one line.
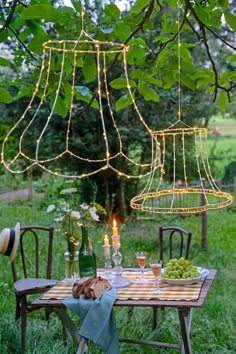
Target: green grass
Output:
[(213, 326), (222, 147)]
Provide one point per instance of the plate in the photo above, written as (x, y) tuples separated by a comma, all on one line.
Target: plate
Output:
[(204, 272)]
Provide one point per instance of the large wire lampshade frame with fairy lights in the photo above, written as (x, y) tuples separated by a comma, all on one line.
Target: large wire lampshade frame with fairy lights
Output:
[(68, 55), (169, 189)]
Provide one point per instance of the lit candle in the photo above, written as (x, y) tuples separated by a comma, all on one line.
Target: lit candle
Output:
[(106, 241), (114, 228), (115, 236), (106, 246)]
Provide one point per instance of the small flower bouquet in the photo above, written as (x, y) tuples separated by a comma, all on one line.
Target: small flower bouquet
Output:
[(71, 219)]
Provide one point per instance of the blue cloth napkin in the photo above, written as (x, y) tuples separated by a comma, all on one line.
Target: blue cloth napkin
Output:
[(97, 320)]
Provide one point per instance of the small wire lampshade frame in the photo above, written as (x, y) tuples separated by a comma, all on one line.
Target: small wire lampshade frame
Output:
[(169, 189)]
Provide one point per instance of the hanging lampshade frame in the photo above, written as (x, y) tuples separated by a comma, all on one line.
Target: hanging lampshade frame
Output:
[(101, 50), (180, 195)]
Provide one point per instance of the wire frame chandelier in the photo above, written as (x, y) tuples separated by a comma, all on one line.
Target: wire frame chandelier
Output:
[(183, 184), (58, 57)]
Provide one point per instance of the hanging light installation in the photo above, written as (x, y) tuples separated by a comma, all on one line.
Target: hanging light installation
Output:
[(59, 58), (171, 188)]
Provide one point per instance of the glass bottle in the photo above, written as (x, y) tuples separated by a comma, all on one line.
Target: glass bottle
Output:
[(87, 257)]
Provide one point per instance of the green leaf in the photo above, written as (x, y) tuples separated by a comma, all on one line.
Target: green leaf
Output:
[(148, 93), (153, 81), (121, 83), (231, 58), (172, 4), (40, 12), (112, 11), (3, 35), (5, 96), (223, 4), (139, 6), (25, 91), (89, 69), (187, 82), (223, 100), (122, 31), (77, 5), (135, 53), (202, 82), (230, 19), (4, 61), (35, 45), (84, 94), (123, 102), (61, 107)]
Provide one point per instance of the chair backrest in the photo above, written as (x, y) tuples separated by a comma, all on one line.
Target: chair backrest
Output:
[(35, 258), (177, 241)]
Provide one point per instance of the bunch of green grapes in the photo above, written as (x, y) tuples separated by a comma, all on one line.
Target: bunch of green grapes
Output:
[(180, 269)]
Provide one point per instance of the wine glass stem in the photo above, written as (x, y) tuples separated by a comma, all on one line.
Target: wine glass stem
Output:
[(142, 271), (157, 283)]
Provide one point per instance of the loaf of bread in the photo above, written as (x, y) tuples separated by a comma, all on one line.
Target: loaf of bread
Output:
[(92, 287)]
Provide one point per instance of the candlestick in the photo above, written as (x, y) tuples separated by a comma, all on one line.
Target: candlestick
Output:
[(118, 280), (116, 241), (107, 266)]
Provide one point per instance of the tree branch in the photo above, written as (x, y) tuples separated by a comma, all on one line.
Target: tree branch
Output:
[(203, 28), (21, 42), (164, 44), (139, 26), (10, 16)]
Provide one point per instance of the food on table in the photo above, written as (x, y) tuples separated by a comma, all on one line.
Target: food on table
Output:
[(92, 287), (180, 269)]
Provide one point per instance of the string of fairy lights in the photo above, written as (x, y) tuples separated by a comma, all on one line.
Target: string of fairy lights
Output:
[(169, 188), (181, 196), (84, 45)]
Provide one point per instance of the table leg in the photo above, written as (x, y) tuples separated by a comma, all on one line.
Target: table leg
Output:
[(79, 341), (185, 318)]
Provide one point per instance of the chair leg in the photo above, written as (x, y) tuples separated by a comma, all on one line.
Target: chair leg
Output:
[(18, 308), (23, 323)]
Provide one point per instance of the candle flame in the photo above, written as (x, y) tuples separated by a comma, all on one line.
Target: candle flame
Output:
[(114, 222)]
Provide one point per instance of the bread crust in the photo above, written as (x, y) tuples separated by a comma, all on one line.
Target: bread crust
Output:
[(92, 287)]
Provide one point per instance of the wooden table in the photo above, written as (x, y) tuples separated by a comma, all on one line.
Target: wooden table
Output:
[(183, 307)]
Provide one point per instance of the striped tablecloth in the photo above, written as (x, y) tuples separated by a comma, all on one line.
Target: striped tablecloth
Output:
[(136, 290)]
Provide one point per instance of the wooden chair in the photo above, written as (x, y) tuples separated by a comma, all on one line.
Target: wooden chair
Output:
[(174, 242), (32, 271), (176, 239)]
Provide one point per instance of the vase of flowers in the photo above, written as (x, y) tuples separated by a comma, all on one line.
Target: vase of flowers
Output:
[(75, 227)]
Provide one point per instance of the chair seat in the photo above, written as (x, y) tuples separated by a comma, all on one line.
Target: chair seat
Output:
[(28, 284)]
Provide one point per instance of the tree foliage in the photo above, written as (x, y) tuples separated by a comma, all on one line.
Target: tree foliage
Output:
[(153, 29)]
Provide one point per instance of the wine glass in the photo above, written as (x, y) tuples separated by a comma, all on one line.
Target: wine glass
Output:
[(141, 259), (156, 270)]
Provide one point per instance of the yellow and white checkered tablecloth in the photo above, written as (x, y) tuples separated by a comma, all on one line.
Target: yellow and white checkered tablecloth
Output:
[(136, 291)]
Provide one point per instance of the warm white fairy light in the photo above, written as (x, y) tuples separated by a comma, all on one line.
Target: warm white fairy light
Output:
[(101, 49), (176, 200), (185, 198)]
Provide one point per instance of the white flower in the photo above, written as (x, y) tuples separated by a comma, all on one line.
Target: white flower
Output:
[(75, 214), (84, 206), (59, 219), (68, 191), (93, 214), (51, 208)]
